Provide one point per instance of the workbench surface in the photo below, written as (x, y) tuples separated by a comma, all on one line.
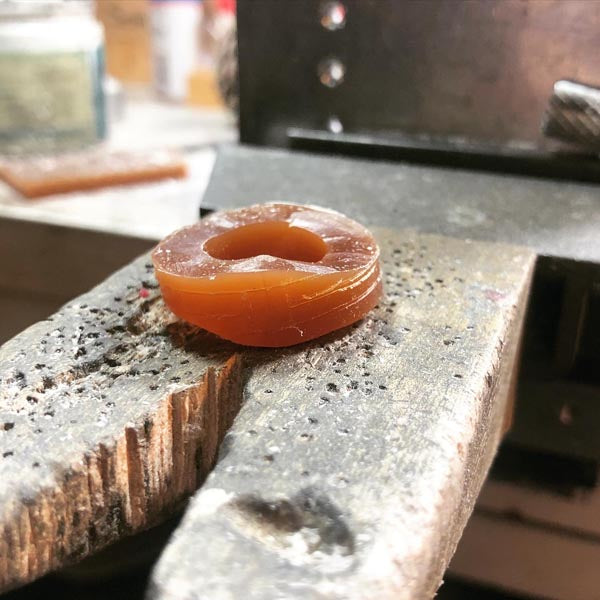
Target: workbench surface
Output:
[(553, 218), (351, 468)]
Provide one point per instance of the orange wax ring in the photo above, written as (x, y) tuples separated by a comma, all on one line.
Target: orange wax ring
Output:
[(271, 274)]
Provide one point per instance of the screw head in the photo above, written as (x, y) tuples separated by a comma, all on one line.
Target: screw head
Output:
[(333, 15), (331, 72), (334, 125)]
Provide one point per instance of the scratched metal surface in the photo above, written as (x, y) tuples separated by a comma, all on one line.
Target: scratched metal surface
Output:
[(461, 71), (553, 218)]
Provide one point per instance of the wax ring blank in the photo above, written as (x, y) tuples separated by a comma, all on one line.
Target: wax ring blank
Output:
[(271, 274)]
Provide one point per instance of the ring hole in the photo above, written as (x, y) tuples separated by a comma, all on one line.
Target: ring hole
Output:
[(275, 238)]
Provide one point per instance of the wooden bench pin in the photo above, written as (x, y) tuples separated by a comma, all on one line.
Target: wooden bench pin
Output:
[(349, 471)]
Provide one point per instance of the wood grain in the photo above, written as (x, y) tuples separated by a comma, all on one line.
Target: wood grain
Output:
[(355, 462), (110, 415), (351, 468)]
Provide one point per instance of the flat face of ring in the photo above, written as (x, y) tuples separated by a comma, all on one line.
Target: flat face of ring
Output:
[(269, 237), (270, 275)]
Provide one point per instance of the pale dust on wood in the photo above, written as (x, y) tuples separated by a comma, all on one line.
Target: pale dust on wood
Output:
[(111, 414), (355, 461)]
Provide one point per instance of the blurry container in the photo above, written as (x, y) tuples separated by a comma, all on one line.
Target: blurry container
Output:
[(127, 39), (175, 28), (51, 72), (217, 27)]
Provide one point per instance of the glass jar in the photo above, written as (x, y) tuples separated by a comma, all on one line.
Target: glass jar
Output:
[(51, 74)]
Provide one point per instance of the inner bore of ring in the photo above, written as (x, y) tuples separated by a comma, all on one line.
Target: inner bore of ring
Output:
[(274, 238)]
